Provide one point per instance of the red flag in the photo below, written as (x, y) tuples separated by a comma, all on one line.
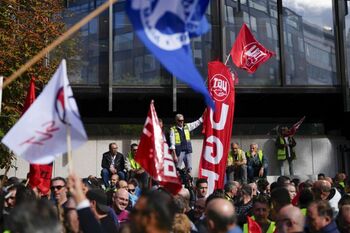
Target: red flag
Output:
[(292, 131), (39, 175), (30, 95), (218, 125), (253, 227), (153, 154), (247, 53)]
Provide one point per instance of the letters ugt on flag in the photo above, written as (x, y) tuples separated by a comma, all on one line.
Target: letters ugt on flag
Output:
[(247, 53), (40, 134), (153, 154), (165, 27)]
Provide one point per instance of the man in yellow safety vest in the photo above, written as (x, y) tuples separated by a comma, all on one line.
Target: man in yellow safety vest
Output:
[(256, 163), (285, 149), (236, 168), (261, 211), (180, 141)]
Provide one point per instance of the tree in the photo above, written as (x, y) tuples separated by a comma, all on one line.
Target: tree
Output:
[(26, 27)]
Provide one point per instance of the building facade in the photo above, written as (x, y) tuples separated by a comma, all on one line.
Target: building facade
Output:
[(115, 77)]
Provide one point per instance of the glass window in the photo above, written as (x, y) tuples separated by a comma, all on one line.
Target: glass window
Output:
[(85, 66), (229, 14), (347, 41), (133, 64), (259, 5), (123, 41), (264, 27), (310, 47), (253, 25)]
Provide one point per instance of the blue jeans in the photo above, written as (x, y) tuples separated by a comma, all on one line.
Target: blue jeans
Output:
[(254, 172), (106, 174)]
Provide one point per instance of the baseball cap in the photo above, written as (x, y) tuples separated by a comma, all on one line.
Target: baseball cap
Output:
[(100, 197)]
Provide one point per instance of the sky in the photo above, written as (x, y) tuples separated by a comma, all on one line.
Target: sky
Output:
[(314, 11)]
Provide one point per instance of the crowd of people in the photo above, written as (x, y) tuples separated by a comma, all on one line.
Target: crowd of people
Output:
[(126, 199), (77, 205)]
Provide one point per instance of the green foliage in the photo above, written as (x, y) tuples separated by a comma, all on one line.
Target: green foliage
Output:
[(26, 27)]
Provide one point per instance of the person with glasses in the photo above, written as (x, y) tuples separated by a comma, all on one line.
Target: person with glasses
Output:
[(113, 162), (59, 191), (180, 141), (134, 169), (132, 192)]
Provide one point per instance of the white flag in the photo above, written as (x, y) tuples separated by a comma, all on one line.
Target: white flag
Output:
[(40, 134)]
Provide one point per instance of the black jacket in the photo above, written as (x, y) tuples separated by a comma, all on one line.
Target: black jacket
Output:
[(119, 161)]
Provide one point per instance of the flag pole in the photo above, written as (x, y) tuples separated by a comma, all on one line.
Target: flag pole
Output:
[(57, 42), (229, 55), (69, 149)]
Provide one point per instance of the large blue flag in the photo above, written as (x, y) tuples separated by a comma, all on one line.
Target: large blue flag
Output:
[(165, 27)]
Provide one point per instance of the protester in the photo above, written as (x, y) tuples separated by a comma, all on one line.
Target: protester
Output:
[(257, 165), (59, 191), (245, 204), (320, 217), (134, 169), (261, 212), (290, 219), (120, 203), (197, 212), (323, 190), (154, 212), (236, 168), (231, 191), (180, 141), (201, 188), (35, 216), (343, 218), (100, 209), (285, 144), (113, 162), (221, 217)]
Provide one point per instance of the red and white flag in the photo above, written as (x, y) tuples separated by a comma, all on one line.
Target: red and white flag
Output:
[(218, 126), (39, 174), (292, 131), (247, 53), (154, 156), (40, 134)]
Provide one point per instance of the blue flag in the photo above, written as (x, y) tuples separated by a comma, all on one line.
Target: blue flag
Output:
[(165, 27)]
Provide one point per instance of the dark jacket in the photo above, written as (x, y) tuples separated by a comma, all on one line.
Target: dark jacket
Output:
[(330, 228), (119, 161)]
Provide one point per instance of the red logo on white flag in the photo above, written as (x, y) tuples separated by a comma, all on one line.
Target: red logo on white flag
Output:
[(40, 134), (247, 53), (154, 156)]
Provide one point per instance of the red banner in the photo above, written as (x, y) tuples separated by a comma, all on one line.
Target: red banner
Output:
[(39, 175), (217, 125), (247, 53), (154, 156)]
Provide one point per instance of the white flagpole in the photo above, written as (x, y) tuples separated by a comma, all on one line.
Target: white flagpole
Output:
[(69, 149)]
